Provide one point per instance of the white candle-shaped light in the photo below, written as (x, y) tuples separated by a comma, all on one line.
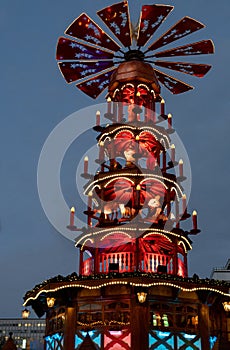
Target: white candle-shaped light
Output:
[(90, 197), (181, 166), (137, 143), (169, 121), (137, 100), (138, 188), (101, 151), (162, 106), (98, 118), (184, 203), (86, 164), (72, 213), (173, 150), (194, 219), (109, 105)]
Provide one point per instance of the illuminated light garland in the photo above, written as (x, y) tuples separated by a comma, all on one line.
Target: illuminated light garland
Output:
[(146, 285), (120, 177), (167, 232), (127, 85), (89, 239), (152, 231), (173, 188), (108, 323), (157, 131), (160, 234), (153, 92), (112, 233), (120, 132), (162, 141), (129, 127), (115, 92), (151, 176), (144, 86), (182, 243)]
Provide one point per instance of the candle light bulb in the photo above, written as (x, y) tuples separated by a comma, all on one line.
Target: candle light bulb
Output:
[(181, 162), (90, 194), (162, 106), (138, 94), (137, 138), (173, 149), (169, 120), (86, 160), (184, 205), (72, 210), (98, 117), (109, 99), (194, 219), (138, 188), (101, 144)]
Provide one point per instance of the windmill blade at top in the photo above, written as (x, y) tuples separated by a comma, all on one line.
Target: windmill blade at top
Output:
[(93, 87), (117, 19), (71, 50), (198, 48), (184, 27), (151, 18), (73, 71), (198, 70), (174, 85), (84, 28)]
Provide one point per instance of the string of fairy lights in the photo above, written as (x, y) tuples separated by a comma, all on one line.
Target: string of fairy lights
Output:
[(81, 284)]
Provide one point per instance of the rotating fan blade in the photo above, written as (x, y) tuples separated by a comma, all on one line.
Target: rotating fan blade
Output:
[(185, 26), (84, 28), (71, 50), (198, 48), (73, 71), (199, 70), (174, 85), (117, 19), (94, 86), (151, 18)]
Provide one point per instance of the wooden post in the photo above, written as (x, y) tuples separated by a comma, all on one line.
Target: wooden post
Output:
[(186, 264), (96, 262), (139, 326), (81, 262), (137, 255), (204, 326), (175, 259), (69, 329)]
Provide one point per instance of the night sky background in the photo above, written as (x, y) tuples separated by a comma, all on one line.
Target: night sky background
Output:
[(35, 98)]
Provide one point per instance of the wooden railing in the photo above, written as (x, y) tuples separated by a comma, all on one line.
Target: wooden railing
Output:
[(126, 262)]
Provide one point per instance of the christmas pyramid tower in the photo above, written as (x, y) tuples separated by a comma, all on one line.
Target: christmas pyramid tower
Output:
[(133, 289)]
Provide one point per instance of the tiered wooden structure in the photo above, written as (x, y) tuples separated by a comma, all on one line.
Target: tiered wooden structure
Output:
[(133, 290)]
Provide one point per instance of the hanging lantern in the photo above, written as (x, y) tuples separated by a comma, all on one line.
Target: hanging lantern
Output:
[(50, 301), (25, 313), (141, 297), (226, 306)]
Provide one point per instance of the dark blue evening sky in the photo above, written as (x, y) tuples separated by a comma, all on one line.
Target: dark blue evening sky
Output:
[(35, 98)]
